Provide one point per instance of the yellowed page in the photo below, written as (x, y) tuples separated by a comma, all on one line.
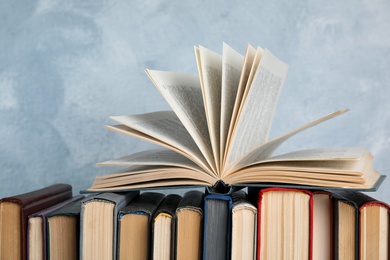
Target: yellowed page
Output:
[(35, 238), (322, 154), (149, 176)]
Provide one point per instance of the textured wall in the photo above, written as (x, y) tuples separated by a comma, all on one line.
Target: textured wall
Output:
[(65, 66)]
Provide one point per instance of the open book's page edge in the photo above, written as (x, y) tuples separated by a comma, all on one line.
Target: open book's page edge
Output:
[(236, 187)]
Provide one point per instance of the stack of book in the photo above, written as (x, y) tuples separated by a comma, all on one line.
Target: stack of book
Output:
[(243, 201)]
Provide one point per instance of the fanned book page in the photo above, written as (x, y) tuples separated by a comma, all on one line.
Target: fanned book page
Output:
[(217, 132)]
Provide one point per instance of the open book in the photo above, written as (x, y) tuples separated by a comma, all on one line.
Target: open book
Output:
[(217, 132)]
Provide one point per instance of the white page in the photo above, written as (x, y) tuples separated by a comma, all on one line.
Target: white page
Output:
[(245, 73), (163, 128), (183, 93), (210, 72), (154, 157), (255, 118), (254, 56), (232, 63), (264, 151), (252, 73)]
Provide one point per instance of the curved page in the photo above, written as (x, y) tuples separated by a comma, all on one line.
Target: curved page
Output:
[(166, 129), (183, 93)]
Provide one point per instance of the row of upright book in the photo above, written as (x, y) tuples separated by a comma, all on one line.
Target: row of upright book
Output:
[(253, 223)]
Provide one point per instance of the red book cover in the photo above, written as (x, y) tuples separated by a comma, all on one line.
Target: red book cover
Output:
[(277, 212)]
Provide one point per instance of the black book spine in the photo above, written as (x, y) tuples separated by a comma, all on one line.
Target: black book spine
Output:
[(217, 227)]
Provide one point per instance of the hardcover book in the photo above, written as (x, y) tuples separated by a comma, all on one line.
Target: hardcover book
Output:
[(285, 223), (367, 223), (37, 229), (98, 224), (217, 226), (244, 227), (218, 132), (63, 232), (134, 226), (345, 229), (14, 212), (164, 228), (189, 226)]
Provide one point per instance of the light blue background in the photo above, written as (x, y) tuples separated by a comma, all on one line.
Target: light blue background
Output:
[(65, 66)]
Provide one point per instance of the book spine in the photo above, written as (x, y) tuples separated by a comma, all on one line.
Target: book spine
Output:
[(217, 227)]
